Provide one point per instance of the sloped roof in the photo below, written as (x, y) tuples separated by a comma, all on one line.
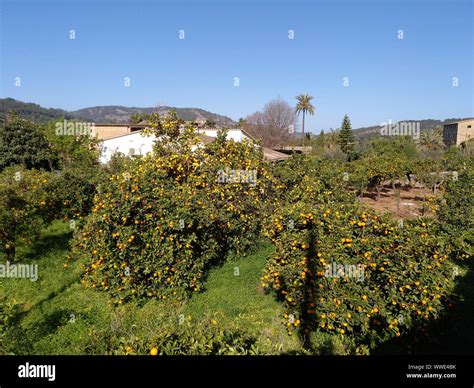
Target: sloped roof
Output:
[(206, 139), (122, 135), (274, 156)]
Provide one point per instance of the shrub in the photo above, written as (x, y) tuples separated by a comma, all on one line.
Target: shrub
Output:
[(208, 336), (458, 159), (309, 179), (22, 205), (428, 172), (155, 229), (405, 271), (456, 215), (372, 170), (70, 195), (23, 143)]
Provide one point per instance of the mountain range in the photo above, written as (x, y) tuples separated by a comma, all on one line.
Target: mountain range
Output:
[(105, 114), (364, 133), (121, 115)]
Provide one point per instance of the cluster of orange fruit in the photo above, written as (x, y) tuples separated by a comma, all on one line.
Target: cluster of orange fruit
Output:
[(394, 259), (167, 217)]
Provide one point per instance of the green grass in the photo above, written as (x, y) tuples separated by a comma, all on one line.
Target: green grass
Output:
[(234, 292), (49, 253), (58, 315), (49, 305)]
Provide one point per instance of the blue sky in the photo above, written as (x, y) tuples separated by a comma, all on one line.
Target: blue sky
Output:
[(389, 78)]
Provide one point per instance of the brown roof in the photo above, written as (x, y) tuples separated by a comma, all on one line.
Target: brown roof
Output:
[(119, 125), (206, 139), (274, 156), (122, 135)]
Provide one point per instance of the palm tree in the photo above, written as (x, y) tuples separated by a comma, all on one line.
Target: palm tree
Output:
[(304, 106), (431, 139)]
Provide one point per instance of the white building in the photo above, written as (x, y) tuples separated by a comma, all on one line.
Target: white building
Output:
[(237, 135), (130, 144), (137, 143)]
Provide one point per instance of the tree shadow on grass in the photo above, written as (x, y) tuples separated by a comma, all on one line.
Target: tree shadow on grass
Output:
[(452, 334), (311, 294), (22, 339), (47, 244)]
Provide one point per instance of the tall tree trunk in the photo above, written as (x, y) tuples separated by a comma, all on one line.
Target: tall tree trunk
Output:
[(396, 192), (303, 126)]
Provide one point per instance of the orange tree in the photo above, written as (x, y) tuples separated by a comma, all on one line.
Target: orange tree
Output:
[(156, 228), (70, 195), (351, 272), (372, 170), (303, 178), (23, 200), (428, 172), (456, 213), (355, 273)]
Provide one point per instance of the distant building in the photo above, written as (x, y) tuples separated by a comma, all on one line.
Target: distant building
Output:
[(236, 135), (293, 150), (131, 141), (129, 144), (459, 132), (107, 131)]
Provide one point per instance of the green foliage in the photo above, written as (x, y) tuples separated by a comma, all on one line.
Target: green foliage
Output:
[(456, 215), (156, 229), (428, 172), (158, 224), (431, 139), (304, 178), (21, 142), (70, 194), (372, 170), (78, 320), (137, 118), (400, 146), (22, 203), (209, 336), (346, 138), (72, 149), (31, 112), (456, 159), (117, 164), (398, 279), (304, 106)]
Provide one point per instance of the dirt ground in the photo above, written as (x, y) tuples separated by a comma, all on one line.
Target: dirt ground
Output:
[(411, 202)]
